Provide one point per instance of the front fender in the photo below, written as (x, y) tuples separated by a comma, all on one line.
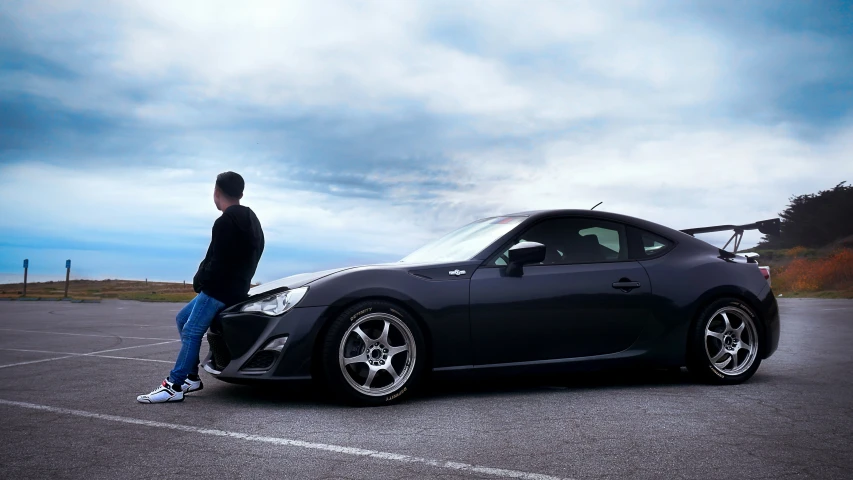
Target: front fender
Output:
[(440, 306)]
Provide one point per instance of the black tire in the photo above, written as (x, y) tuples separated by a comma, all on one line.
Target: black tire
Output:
[(722, 318), (408, 364)]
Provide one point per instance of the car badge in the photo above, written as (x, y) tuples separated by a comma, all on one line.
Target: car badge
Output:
[(457, 272)]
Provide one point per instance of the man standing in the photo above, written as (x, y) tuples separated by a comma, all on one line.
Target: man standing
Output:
[(222, 280)]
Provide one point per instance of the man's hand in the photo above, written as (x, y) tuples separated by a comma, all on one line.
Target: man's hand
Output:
[(197, 283)]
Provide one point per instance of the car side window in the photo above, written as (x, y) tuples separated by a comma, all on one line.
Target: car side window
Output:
[(575, 240), (653, 245)]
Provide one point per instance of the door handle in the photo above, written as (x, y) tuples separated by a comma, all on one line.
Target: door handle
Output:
[(626, 285)]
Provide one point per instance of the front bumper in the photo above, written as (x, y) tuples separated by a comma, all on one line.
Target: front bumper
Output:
[(237, 342)]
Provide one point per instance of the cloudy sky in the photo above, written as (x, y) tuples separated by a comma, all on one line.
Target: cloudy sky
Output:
[(364, 129)]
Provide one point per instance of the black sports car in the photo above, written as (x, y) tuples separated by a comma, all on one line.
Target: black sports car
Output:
[(543, 291)]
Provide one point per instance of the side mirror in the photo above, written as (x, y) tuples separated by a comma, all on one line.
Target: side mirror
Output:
[(522, 254)]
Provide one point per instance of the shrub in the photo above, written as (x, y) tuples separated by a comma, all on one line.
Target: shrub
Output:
[(834, 272)]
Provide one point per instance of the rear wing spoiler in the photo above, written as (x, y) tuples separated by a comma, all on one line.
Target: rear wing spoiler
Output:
[(770, 227)]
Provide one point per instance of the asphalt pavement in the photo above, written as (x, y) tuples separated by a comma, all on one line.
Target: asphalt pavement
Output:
[(70, 373)]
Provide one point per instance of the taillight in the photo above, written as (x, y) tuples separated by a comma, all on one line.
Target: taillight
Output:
[(766, 272)]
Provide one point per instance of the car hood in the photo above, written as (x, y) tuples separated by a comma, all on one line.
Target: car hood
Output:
[(427, 270), (294, 281)]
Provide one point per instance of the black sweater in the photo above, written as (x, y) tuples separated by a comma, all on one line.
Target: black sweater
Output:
[(232, 257)]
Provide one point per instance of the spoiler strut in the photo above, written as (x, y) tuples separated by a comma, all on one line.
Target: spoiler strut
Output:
[(770, 227)]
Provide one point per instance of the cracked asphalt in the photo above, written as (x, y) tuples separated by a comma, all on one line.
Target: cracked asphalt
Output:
[(70, 374)]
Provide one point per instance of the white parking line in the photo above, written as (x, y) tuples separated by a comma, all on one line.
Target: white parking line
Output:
[(69, 355), (85, 334), (91, 354), (134, 358), (135, 346), (285, 442), (34, 361)]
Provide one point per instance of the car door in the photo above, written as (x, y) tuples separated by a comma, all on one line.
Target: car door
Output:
[(585, 299)]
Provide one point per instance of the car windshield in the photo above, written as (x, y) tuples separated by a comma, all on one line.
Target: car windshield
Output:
[(464, 243)]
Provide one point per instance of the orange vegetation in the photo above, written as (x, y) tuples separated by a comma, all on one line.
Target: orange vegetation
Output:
[(834, 272)]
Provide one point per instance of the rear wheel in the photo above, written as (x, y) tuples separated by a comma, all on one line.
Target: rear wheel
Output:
[(373, 354), (725, 346)]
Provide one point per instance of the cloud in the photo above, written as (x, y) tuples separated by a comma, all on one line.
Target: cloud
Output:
[(363, 130)]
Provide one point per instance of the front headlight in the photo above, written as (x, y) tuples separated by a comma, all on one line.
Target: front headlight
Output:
[(276, 304)]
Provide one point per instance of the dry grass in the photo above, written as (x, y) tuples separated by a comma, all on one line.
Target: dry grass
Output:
[(101, 289), (821, 294)]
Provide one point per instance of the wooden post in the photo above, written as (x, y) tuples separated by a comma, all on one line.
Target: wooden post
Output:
[(67, 275), (26, 267)]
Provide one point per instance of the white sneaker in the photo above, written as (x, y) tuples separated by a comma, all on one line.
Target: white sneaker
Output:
[(162, 394), (192, 385)]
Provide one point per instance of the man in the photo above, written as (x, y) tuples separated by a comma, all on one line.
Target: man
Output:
[(222, 280)]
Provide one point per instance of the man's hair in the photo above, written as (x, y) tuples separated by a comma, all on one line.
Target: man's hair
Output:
[(230, 184)]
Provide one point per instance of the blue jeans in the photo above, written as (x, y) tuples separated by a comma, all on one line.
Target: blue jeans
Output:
[(193, 321)]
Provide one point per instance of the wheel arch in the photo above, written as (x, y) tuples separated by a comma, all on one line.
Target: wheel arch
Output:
[(719, 293), (334, 310)]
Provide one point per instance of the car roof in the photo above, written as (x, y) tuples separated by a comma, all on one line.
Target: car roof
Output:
[(534, 215)]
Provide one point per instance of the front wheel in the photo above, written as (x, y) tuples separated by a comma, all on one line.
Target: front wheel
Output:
[(725, 346), (373, 354)]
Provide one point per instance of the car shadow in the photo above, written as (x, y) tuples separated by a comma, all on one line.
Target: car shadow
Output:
[(301, 394), (308, 395), (600, 380)]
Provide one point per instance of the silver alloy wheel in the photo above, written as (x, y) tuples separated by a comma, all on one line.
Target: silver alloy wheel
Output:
[(363, 357), (731, 341)]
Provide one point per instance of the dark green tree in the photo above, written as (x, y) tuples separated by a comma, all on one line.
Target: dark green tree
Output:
[(815, 220)]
